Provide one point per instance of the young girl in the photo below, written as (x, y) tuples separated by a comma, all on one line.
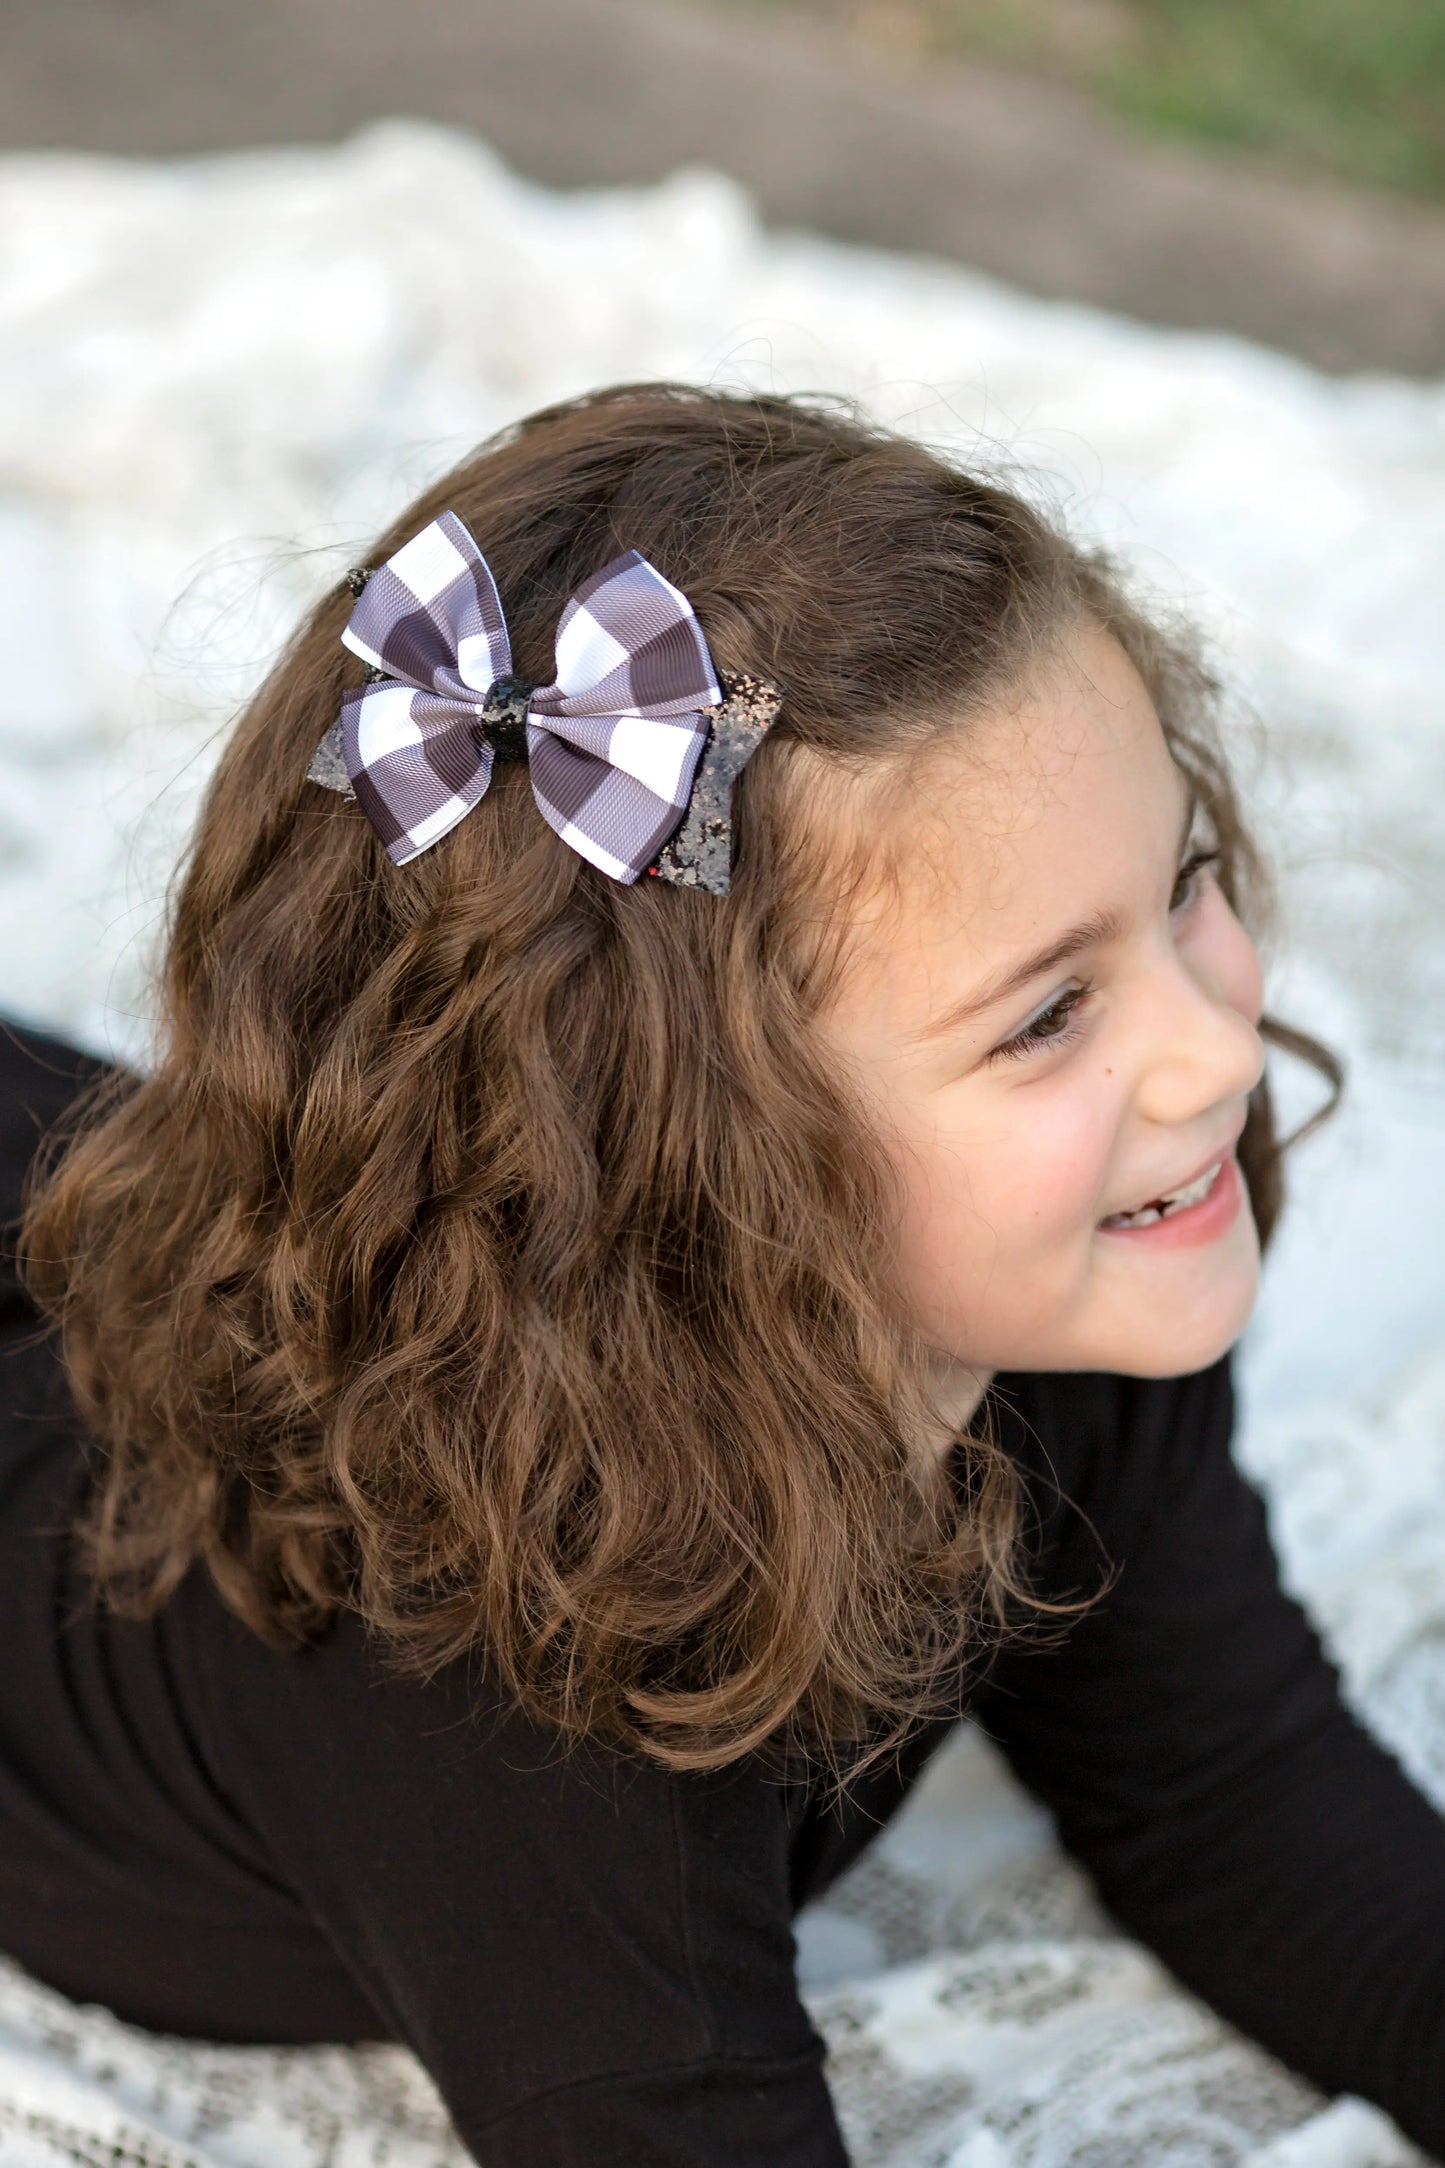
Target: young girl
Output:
[(707, 1149)]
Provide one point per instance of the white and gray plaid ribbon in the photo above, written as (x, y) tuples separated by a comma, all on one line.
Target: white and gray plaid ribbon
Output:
[(612, 743)]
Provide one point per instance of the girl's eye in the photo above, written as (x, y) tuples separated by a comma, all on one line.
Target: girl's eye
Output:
[(1186, 888), (1053, 1026)]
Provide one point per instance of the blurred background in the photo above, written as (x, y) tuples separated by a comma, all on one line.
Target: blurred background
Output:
[(1275, 167), (1174, 267)]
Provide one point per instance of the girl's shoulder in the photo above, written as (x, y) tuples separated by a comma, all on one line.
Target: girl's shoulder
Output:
[(41, 1080), (1100, 1453)]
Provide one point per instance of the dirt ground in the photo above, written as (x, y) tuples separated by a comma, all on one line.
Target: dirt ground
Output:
[(1016, 177)]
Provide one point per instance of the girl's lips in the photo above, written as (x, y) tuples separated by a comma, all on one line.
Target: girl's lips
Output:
[(1196, 1223)]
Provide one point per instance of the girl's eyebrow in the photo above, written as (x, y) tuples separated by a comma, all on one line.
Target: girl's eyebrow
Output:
[(1092, 932)]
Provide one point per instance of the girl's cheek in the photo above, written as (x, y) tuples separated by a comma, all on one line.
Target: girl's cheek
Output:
[(996, 1209), (1081, 1146), (1247, 991), (1047, 1164), (1229, 962)]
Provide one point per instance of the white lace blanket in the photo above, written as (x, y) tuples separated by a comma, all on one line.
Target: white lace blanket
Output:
[(214, 379)]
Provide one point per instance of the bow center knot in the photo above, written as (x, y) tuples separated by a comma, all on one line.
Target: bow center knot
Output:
[(504, 717)]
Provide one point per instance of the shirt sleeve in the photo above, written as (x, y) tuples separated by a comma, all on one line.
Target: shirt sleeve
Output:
[(40, 1079), (592, 1957), (1189, 1736)]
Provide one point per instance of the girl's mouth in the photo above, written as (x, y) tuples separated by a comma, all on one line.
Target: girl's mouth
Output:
[(1197, 1213)]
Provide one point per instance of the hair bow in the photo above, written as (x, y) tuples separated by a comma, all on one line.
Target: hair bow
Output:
[(613, 744)]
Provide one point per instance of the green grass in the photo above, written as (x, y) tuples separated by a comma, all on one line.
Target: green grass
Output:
[(1353, 88)]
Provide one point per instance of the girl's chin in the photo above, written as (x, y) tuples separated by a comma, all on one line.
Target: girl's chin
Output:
[(1134, 1312), (1194, 1336), (1169, 1316)]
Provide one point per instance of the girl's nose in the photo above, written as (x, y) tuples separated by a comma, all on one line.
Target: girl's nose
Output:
[(1202, 1046)]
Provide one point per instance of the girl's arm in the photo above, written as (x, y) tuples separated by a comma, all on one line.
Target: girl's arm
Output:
[(1189, 1736), (592, 1958), (40, 1081)]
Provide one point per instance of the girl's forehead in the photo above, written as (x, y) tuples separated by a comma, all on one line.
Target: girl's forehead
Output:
[(1032, 817)]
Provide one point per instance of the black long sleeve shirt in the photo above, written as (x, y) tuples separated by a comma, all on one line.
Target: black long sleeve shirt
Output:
[(594, 1958)]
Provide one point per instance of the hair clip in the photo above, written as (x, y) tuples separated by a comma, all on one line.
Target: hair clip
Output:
[(632, 750)]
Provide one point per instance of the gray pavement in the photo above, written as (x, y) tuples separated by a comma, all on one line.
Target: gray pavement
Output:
[(1018, 177)]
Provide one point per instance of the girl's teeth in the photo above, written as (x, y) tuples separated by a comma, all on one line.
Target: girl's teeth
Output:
[(1146, 1218), (1178, 1200)]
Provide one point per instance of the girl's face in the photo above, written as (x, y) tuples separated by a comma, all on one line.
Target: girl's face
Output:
[(1054, 1018)]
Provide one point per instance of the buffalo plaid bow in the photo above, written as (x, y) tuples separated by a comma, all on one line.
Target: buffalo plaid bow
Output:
[(612, 743)]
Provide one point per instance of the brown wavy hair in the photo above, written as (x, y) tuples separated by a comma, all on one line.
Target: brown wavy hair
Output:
[(491, 1250)]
